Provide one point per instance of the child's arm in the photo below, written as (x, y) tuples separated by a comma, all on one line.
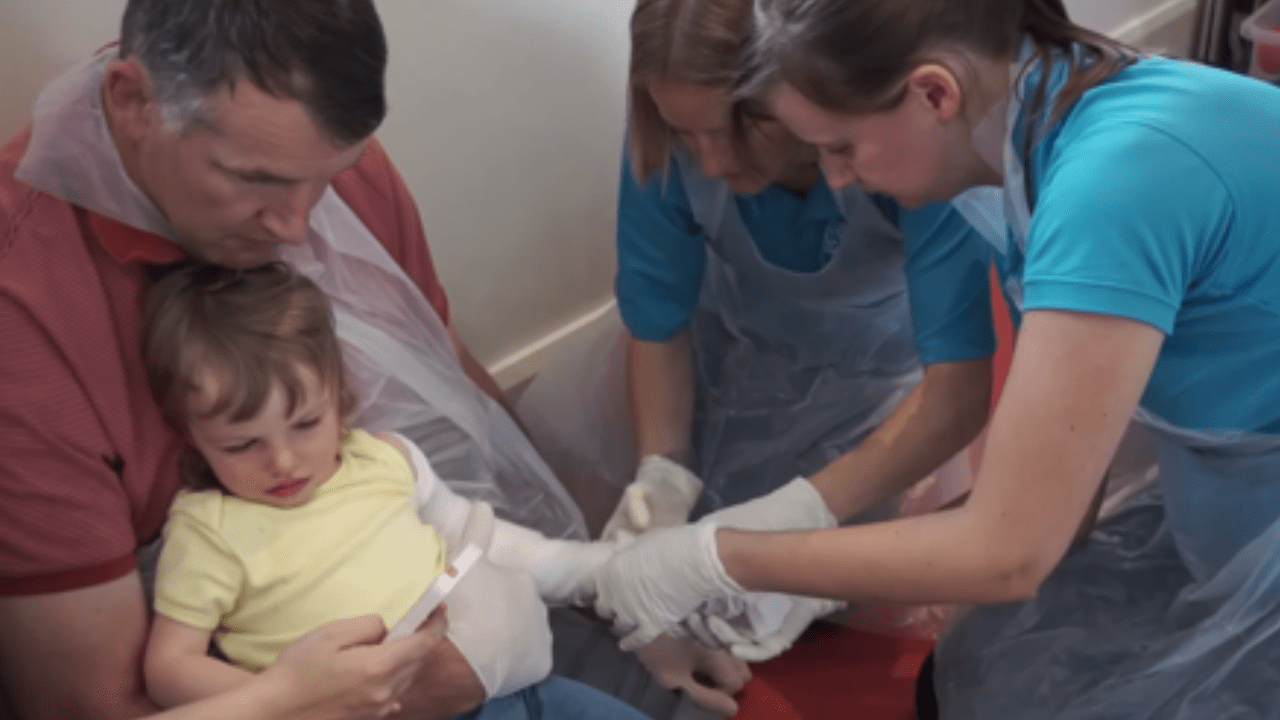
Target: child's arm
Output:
[(563, 570), (178, 667)]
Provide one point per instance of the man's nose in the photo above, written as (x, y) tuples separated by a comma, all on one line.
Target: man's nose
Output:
[(288, 217)]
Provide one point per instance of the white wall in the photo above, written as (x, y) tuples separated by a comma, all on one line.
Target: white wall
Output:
[(1133, 21), (38, 39), (506, 121)]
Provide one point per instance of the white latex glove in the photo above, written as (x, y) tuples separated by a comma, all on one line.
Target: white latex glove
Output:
[(758, 626), (739, 630), (794, 506), (673, 661), (563, 570), (496, 619), (656, 581), (662, 495)]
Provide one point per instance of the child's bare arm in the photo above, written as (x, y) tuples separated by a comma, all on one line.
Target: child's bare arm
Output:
[(178, 667)]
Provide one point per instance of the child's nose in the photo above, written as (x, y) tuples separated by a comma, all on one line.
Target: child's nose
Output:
[(283, 460)]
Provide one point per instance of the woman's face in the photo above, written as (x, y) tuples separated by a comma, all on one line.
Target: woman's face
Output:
[(901, 152), (701, 115)]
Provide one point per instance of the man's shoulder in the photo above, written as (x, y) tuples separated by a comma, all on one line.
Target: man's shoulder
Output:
[(25, 212), (373, 178)]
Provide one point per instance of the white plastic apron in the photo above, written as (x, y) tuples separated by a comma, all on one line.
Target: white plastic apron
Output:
[(1172, 611), (399, 355), (792, 369)]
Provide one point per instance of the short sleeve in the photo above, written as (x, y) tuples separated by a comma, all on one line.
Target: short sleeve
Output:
[(65, 516), (198, 579), (1121, 225), (661, 255), (374, 190), (947, 264)]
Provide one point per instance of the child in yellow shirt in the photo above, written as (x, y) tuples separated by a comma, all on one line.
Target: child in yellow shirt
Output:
[(291, 520)]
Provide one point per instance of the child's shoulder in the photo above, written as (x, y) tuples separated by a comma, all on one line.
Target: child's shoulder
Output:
[(386, 447), (204, 506)]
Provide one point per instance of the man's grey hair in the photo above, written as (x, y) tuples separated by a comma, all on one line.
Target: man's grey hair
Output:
[(330, 55)]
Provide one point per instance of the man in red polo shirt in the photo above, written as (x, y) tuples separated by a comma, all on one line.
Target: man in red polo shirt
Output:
[(171, 146)]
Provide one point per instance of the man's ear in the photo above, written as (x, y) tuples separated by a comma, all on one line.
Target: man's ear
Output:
[(934, 85), (129, 98)]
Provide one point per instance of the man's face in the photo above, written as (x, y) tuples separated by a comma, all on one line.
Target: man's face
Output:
[(236, 187)]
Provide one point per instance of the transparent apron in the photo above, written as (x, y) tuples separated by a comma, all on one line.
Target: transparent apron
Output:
[(792, 369), (397, 350), (1170, 611)]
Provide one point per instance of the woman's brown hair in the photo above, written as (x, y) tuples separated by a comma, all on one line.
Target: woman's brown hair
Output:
[(251, 329), (853, 56), (700, 42)]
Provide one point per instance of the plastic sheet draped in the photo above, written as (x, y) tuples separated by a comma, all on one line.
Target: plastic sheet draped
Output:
[(1120, 630), (402, 365)]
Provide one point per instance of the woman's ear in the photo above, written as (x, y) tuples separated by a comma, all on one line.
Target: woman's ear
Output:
[(937, 87)]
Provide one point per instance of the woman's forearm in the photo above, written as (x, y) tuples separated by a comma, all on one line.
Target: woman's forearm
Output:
[(660, 390), (939, 557), (941, 415), (1072, 387)]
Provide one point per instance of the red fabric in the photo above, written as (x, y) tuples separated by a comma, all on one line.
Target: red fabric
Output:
[(835, 673), (88, 467), (759, 701)]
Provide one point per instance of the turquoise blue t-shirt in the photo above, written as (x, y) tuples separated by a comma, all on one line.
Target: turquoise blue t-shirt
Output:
[(662, 257), (1157, 198)]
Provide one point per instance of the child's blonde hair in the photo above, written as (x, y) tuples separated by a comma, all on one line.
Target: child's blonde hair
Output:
[(252, 329)]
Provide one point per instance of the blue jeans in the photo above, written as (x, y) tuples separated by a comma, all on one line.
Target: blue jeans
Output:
[(555, 698)]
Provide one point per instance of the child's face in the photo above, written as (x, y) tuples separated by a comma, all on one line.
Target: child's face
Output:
[(274, 457)]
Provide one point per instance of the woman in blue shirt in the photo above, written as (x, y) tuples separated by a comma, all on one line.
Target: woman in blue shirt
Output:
[(773, 337), (1143, 250)]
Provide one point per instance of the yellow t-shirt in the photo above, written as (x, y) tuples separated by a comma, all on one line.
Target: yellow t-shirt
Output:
[(258, 576)]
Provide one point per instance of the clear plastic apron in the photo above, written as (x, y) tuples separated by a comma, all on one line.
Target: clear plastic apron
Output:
[(397, 350), (792, 369), (1172, 610)]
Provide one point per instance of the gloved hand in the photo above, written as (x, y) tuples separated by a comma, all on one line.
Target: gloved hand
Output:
[(656, 581), (740, 627), (662, 495), (758, 626), (794, 506), (673, 661), (496, 618)]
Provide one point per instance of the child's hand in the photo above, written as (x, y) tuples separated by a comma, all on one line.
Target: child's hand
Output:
[(340, 671)]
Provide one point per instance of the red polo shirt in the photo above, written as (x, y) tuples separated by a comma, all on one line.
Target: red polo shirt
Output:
[(88, 466)]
